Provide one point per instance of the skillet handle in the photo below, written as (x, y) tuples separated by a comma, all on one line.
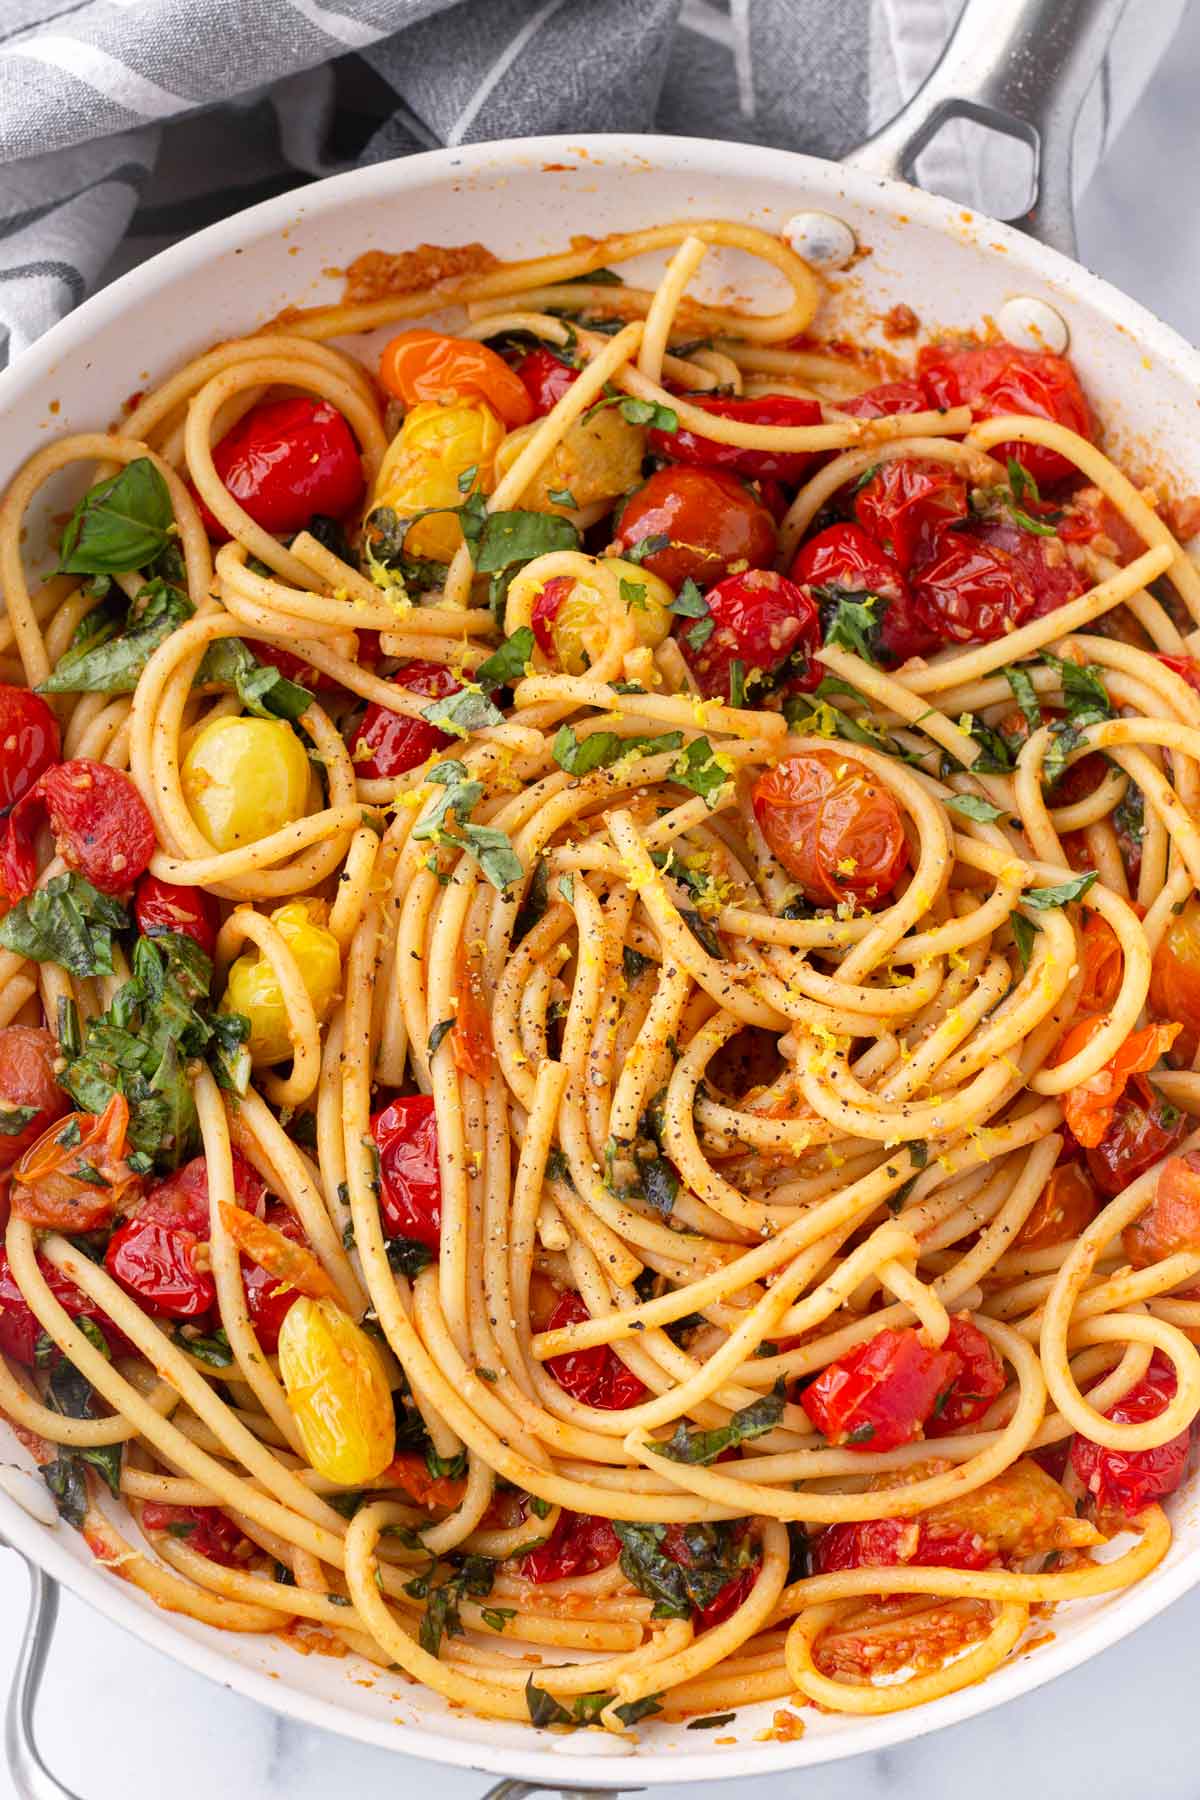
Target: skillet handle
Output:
[(31, 1778), (1024, 68)]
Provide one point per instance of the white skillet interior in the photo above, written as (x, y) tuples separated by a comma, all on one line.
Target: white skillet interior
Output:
[(954, 268)]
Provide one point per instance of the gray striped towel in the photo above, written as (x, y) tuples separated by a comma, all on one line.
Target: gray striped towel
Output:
[(125, 124)]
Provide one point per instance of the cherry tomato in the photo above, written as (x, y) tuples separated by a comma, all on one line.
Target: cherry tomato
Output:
[(1171, 1222), (580, 1544), (764, 622), (882, 1543), (546, 378), (1142, 1129), (1187, 666), (204, 1529), (99, 821), (77, 1185), (843, 563), (713, 524), (159, 1266), (294, 668), (1043, 561), (395, 742), (267, 1300), (287, 461), (422, 365), (888, 397), (1175, 973), (906, 503), (971, 592), (880, 1394), (1021, 1512), (181, 1201), (161, 906), (546, 608), (691, 447), (1103, 963), (597, 1376), (1001, 378), (832, 826), (1065, 1207), (27, 1058), (29, 742), (1126, 1481), (981, 1380), (728, 1599), (410, 1202), (1088, 1109), (410, 1471), (19, 1326)]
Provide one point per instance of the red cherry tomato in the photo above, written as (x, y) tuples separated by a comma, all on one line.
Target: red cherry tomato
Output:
[(580, 1544), (19, 1326), (879, 1395), (161, 906), (410, 1204), (970, 592), (1143, 1128), (881, 1543), (889, 397), (420, 364), (1187, 666), (268, 1300), (1065, 1208), (397, 743), (286, 461), (843, 563), (204, 1529), (728, 1599), (100, 824), (27, 1058), (29, 742), (181, 1201), (597, 1376), (1171, 1222), (764, 622), (906, 503), (713, 525), (765, 409), (1126, 1481), (159, 1266), (832, 826), (1000, 378), (1043, 561), (546, 379), (546, 609), (981, 1380)]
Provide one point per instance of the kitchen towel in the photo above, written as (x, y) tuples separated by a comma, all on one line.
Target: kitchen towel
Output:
[(125, 124)]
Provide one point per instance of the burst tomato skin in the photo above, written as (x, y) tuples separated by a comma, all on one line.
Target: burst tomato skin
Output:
[(1002, 378), (1065, 1207), (286, 461), (1171, 1222), (1187, 666), (397, 743), (205, 1529), (880, 1394), (1089, 1109), (1142, 1130), (713, 523), (980, 1382), (27, 1057), (158, 1265), (19, 1327), (728, 1599), (161, 906), (765, 622), (181, 1201), (882, 1543), (29, 742), (268, 1301), (410, 1200), (1126, 1481), (596, 1376), (77, 1186), (1175, 973), (546, 378), (1042, 562), (690, 447), (834, 828), (843, 561), (99, 821), (971, 592), (906, 503), (1103, 963), (546, 608), (906, 396), (580, 1544), (420, 365)]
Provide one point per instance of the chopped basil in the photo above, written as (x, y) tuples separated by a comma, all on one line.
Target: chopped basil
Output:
[(753, 1421), (462, 713), (600, 749), (68, 922), (851, 623), (1024, 931), (973, 807), (496, 1618), (1044, 899), (648, 412), (562, 497), (509, 538), (508, 663), (213, 1349), (441, 1617), (440, 1031), (14, 1119), (566, 887), (712, 1722), (1021, 683), (408, 1256), (260, 687), (70, 1394), (112, 665), (633, 595), (700, 770), (122, 524), (689, 602), (737, 683), (647, 546), (715, 1559)]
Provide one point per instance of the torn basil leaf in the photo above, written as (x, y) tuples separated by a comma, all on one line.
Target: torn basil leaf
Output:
[(1044, 899), (507, 664), (119, 525), (260, 687), (692, 1445), (68, 922), (113, 664)]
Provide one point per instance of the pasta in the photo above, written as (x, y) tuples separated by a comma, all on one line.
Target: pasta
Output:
[(600, 995)]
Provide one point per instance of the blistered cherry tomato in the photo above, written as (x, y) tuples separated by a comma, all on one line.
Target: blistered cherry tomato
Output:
[(596, 1376), (546, 378), (888, 397), (162, 906), (77, 1184), (1065, 1207), (204, 1529), (580, 1544), (1143, 1128), (882, 1543), (981, 1380), (421, 365), (1103, 961), (286, 461), (410, 1202), (395, 742), (1126, 1481), (268, 1300), (833, 826), (1088, 1107), (1001, 378), (159, 1266), (1020, 1513), (20, 1328), (844, 563), (29, 742), (99, 821), (970, 592), (1171, 1222), (764, 622), (27, 1058), (1043, 561), (1175, 973), (879, 1395), (728, 1599), (712, 524), (181, 1201), (693, 448), (907, 502)]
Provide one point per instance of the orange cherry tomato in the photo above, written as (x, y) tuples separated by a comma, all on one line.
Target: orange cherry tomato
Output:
[(426, 365), (833, 826), (76, 1177), (1175, 975), (1088, 1107), (1065, 1207), (1171, 1222), (290, 1263), (410, 1471), (1103, 966)]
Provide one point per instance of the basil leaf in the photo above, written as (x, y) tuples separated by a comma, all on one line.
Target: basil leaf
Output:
[(507, 664), (496, 1618), (14, 1119), (1024, 931), (689, 602), (1025, 695), (703, 932), (632, 595), (660, 1184), (408, 1256), (647, 546), (700, 770), (600, 749), (648, 412), (737, 683), (260, 687), (213, 1349), (562, 497), (113, 665), (462, 713), (437, 1035), (67, 922), (507, 538), (120, 525), (972, 807), (1044, 899), (543, 1708), (495, 855), (852, 624), (753, 1421), (712, 1722)]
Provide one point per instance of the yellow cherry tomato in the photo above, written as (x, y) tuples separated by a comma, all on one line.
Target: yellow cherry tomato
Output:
[(244, 779), (338, 1392), (252, 989), (598, 458), (435, 446), (585, 618)]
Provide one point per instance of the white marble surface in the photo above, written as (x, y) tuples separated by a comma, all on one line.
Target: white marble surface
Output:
[(119, 1722)]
